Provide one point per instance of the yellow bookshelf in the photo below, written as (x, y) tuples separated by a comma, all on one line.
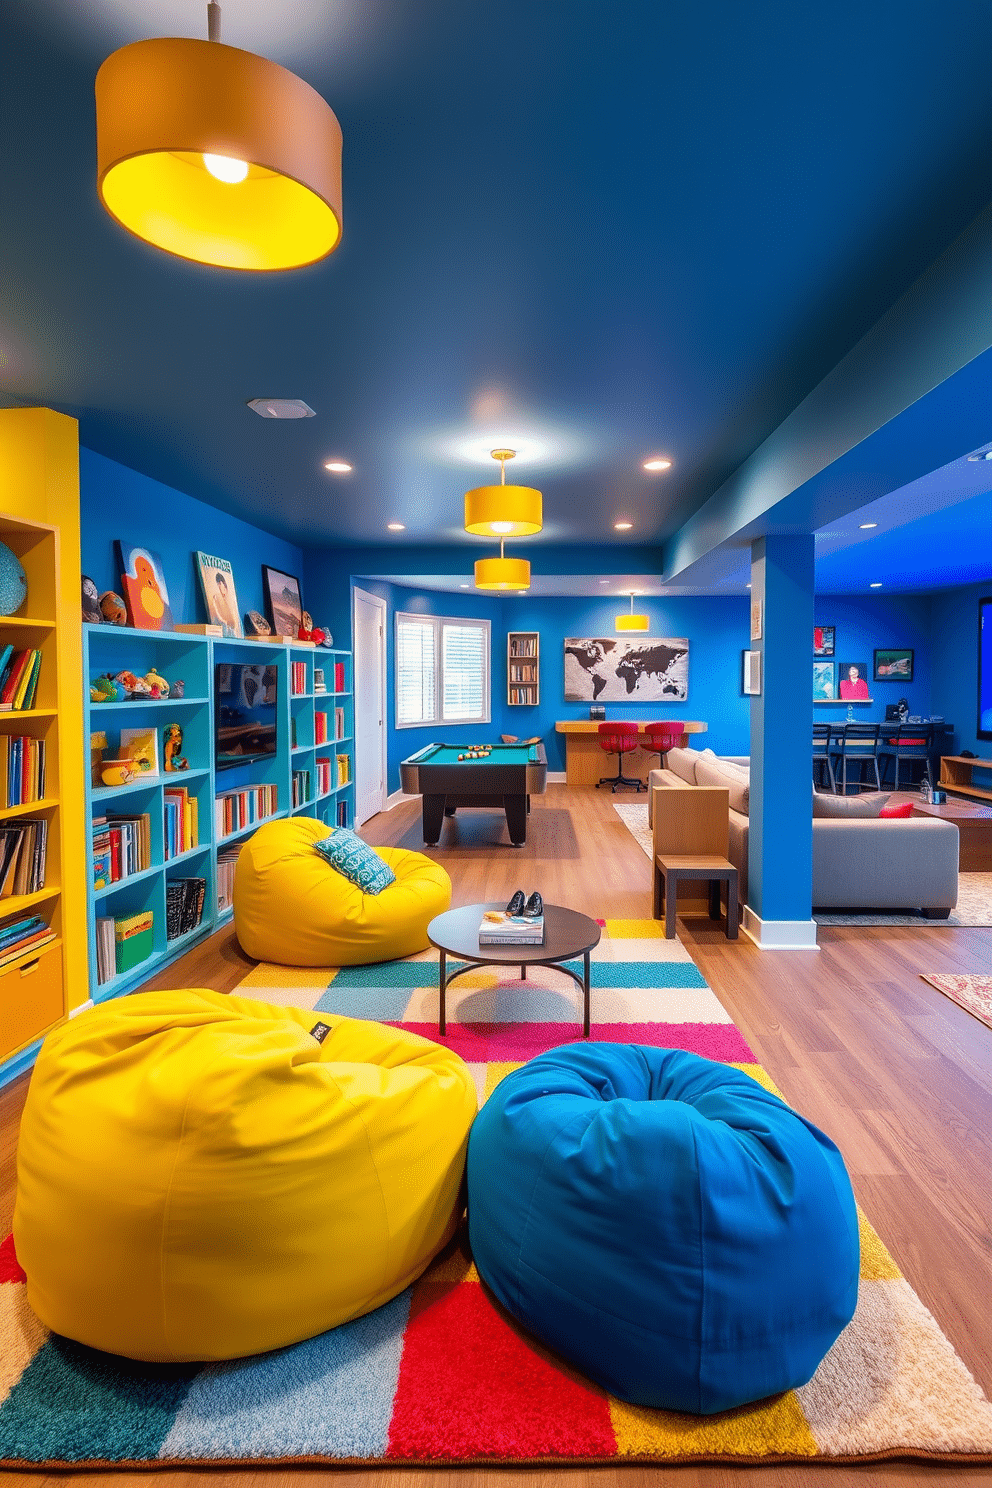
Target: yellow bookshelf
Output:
[(39, 521)]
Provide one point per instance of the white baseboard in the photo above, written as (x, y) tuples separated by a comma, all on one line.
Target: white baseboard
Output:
[(556, 777), (779, 935), (396, 799), (75, 1012)]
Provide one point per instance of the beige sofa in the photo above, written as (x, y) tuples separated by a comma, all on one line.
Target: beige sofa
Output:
[(858, 863)]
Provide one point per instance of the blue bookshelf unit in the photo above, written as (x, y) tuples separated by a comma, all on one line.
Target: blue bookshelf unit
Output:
[(192, 659)]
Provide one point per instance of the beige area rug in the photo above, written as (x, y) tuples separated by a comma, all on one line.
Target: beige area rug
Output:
[(973, 993), (974, 906)]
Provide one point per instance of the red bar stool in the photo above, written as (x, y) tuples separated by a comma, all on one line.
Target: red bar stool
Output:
[(619, 739), (659, 738)]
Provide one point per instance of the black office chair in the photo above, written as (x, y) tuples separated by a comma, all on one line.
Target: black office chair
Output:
[(910, 744), (821, 755), (856, 744)]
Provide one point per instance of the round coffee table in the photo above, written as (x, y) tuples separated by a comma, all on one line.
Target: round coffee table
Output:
[(567, 933)]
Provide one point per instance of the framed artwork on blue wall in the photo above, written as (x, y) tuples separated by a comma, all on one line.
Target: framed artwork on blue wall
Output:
[(824, 639), (893, 665), (824, 681)]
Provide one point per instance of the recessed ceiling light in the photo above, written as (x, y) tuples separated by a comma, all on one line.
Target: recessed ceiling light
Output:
[(284, 408), (877, 584), (604, 581), (464, 586), (660, 463), (622, 526), (340, 467), (747, 586), (521, 591), (865, 525), (396, 526)]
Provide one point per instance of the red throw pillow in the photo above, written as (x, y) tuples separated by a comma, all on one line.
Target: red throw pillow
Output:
[(906, 809)]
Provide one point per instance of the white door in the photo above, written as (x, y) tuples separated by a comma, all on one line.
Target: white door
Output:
[(370, 704)]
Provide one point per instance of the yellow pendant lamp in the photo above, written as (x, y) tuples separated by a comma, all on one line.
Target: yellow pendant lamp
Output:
[(503, 511), (632, 621), (217, 155)]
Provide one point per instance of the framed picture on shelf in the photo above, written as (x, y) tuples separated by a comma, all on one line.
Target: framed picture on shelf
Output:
[(751, 673), (824, 682), (219, 596), (145, 593), (893, 665), (282, 598), (824, 637), (141, 745), (853, 682)]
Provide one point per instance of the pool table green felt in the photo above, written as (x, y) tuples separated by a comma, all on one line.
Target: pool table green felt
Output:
[(508, 776)]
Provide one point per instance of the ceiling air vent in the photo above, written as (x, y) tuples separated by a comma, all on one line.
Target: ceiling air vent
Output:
[(288, 408)]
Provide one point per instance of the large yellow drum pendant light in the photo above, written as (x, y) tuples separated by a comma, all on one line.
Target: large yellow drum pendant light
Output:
[(503, 511), (502, 573), (632, 621), (217, 155)]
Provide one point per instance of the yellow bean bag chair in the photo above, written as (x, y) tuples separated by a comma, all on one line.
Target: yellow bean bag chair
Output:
[(292, 907), (203, 1177)]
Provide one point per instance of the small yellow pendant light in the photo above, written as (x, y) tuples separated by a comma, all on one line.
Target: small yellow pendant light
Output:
[(632, 621), (503, 511), (502, 573), (217, 155)]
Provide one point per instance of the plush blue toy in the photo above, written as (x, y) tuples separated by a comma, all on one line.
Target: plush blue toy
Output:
[(13, 582)]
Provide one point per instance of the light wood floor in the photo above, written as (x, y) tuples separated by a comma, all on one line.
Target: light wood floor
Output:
[(898, 1075)]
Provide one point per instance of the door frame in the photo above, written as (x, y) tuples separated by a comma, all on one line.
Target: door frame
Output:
[(362, 666)]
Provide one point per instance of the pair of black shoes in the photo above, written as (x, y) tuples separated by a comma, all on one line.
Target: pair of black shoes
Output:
[(530, 909)]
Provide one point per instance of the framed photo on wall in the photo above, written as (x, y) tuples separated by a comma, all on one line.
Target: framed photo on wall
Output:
[(893, 665), (282, 599), (824, 681), (853, 682), (824, 637), (751, 673)]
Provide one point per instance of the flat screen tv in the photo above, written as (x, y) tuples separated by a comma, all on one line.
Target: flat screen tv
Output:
[(245, 709), (985, 668)]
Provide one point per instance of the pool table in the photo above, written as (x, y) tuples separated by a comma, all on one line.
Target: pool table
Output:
[(507, 777)]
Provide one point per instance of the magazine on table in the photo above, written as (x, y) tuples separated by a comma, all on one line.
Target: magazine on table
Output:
[(499, 928)]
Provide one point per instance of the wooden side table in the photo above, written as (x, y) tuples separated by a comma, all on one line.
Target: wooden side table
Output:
[(670, 868)]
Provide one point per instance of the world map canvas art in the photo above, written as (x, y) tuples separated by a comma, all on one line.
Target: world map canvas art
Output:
[(612, 671)]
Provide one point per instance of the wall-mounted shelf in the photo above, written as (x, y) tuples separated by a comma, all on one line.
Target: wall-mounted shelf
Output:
[(523, 668)]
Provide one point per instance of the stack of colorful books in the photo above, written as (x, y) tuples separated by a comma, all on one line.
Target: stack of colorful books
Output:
[(22, 769), (299, 678), (324, 783), (320, 728), (344, 769), (19, 672), (237, 809), (227, 862), (181, 826), (17, 937), (23, 854), (301, 787), (122, 944), (500, 928), (122, 845)]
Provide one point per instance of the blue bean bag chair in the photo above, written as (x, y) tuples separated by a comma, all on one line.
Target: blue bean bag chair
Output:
[(664, 1223)]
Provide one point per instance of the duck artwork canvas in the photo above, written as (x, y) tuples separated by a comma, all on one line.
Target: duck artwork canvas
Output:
[(145, 592)]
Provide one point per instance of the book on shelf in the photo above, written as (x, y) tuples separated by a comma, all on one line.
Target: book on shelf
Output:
[(22, 769), (341, 813), (339, 723), (344, 769), (181, 824), (499, 928), (325, 783), (26, 933), (234, 810), (203, 630), (184, 900), (124, 845), (319, 681), (227, 862), (301, 787), (339, 676), (23, 856), (106, 963), (320, 728), (299, 678), (19, 679), (134, 940)]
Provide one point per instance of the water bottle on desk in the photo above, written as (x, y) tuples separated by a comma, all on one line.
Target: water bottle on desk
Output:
[(850, 712)]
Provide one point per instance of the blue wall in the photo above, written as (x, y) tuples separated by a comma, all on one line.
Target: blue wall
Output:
[(868, 622), (115, 502), (954, 615)]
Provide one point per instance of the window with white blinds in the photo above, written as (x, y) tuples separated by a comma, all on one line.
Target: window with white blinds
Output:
[(442, 670)]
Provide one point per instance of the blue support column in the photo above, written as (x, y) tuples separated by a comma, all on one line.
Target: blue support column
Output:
[(780, 834)]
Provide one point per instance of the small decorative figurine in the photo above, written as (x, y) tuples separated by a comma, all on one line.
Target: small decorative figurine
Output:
[(112, 608), (174, 760), (105, 690), (256, 624), (92, 614), (328, 639), (118, 771), (179, 688), (158, 685), (98, 743)]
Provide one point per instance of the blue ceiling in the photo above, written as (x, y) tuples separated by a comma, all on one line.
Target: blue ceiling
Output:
[(594, 233)]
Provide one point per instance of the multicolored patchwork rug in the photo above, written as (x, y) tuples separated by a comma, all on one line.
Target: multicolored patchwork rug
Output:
[(441, 1375)]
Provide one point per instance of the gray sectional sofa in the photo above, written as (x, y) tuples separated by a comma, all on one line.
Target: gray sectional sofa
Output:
[(858, 862)]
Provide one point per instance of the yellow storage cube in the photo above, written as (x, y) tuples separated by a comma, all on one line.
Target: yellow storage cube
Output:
[(203, 1177), (292, 907)]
